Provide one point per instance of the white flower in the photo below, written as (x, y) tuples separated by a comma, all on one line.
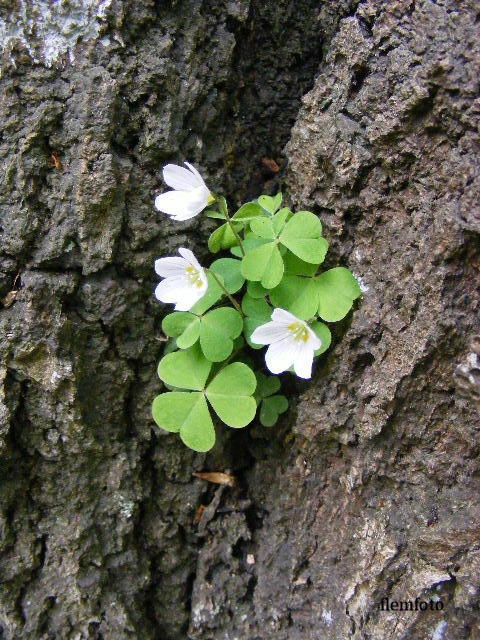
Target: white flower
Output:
[(190, 194), (291, 342), (185, 280)]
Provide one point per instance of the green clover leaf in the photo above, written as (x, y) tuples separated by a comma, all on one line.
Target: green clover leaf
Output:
[(271, 408), (257, 312), (183, 326), (323, 332), (185, 413), (296, 267), (223, 238), (337, 289), (271, 405), (266, 386), (248, 211), (264, 264), (230, 394), (213, 213), (270, 204), (187, 369), (298, 295), (218, 328), (216, 331), (302, 236), (251, 241), (229, 270), (255, 290)]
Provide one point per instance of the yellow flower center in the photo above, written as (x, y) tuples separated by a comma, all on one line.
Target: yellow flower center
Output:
[(299, 331), (193, 276), (211, 199)]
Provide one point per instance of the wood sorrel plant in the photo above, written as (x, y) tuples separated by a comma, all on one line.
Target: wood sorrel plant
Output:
[(269, 293)]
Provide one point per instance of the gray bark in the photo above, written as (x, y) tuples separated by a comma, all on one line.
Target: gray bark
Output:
[(369, 487)]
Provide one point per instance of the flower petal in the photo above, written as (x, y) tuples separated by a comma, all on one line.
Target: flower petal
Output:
[(189, 257), (284, 317), (172, 202), (179, 292), (183, 205), (268, 333), (189, 298), (179, 178), (281, 355), (303, 361), (200, 180), (170, 289), (167, 267)]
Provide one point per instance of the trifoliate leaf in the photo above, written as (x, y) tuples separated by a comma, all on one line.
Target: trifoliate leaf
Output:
[(185, 369), (218, 328), (277, 201), (229, 270), (304, 224), (296, 267), (222, 238), (197, 432), (256, 307), (264, 264), (263, 228), (175, 323), (271, 408), (230, 394), (337, 290), (255, 290), (302, 235), (213, 213), (279, 220), (317, 226), (248, 211), (170, 409), (323, 332), (344, 280), (266, 385), (270, 228), (249, 326), (187, 413), (190, 335), (257, 312), (184, 326), (270, 204), (251, 241), (298, 295)]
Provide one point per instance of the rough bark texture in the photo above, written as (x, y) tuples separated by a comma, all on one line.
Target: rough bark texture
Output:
[(370, 485)]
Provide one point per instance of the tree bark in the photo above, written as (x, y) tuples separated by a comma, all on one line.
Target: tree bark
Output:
[(369, 487)]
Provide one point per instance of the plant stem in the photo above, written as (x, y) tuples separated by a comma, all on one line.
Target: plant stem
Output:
[(232, 300), (223, 208)]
